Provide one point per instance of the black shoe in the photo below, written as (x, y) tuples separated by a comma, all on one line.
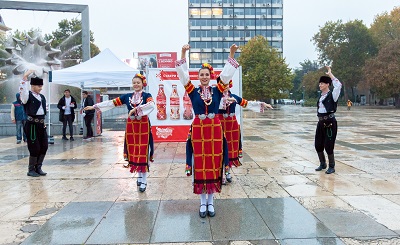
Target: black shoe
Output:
[(211, 214), (71, 138), (203, 214), (64, 138), (144, 188), (321, 166), (33, 174), (330, 171)]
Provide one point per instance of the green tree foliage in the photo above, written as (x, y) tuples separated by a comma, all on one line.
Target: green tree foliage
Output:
[(382, 72), (306, 67), (310, 82), (386, 27), (68, 39), (265, 73), (346, 46)]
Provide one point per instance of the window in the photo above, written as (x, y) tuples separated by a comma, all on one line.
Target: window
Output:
[(249, 11), (228, 11)]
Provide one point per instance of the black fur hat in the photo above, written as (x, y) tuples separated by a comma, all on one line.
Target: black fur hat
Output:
[(36, 81), (325, 79)]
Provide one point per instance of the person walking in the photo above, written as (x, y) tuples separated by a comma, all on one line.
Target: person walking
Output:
[(207, 141), (325, 134), (138, 137), (87, 115), (18, 116), (67, 104), (349, 104), (35, 128)]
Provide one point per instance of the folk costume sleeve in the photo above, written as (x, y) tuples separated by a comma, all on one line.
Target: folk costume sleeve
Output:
[(229, 70), (337, 87), (183, 74), (145, 109), (24, 91), (256, 106)]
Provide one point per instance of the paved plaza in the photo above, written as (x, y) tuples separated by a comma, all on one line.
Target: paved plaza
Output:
[(276, 197)]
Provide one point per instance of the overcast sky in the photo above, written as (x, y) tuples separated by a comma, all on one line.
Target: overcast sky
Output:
[(127, 26)]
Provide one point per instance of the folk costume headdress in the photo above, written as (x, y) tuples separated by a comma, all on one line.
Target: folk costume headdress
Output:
[(143, 78), (210, 68)]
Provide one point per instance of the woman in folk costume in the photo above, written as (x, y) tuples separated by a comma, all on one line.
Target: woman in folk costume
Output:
[(207, 141), (230, 126), (138, 137)]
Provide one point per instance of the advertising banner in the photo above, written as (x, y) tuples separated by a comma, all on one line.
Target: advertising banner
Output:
[(174, 114), (156, 60)]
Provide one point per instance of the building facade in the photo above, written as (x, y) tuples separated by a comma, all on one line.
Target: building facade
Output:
[(214, 25)]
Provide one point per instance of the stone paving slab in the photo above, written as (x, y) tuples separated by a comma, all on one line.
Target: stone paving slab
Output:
[(278, 169), (353, 224)]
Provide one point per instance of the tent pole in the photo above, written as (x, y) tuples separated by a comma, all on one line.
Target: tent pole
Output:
[(50, 137)]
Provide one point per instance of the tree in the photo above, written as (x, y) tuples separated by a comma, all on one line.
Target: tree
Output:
[(265, 73), (386, 27), (382, 72), (299, 73), (310, 82), (347, 47), (68, 39)]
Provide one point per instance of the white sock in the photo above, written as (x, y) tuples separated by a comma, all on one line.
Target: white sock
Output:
[(203, 203), (144, 180), (139, 176), (210, 200), (228, 174)]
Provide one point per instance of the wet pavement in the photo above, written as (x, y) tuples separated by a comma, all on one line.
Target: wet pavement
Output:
[(276, 197)]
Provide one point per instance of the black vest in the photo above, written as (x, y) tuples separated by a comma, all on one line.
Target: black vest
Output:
[(329, 103), (33, 105)]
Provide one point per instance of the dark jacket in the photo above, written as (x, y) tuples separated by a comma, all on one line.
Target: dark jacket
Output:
[(60, 105), (88, 102), (19, 111)]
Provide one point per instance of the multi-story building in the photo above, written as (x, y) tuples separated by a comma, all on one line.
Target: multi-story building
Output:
[(214, 25)]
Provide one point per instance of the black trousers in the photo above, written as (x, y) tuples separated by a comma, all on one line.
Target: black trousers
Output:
[(88, 124), (325, 135), (68, 119), (37, 138)]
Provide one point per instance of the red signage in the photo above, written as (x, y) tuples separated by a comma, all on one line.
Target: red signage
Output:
[(173, 75), (157, 60)]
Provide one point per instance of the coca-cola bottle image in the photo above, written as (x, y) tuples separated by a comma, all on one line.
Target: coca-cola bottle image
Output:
[(187, 105), (174, 103), (161, 103)]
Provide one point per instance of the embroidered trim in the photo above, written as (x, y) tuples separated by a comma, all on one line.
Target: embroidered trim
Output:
[(189, 87), (243, 103), (180, 62), (233, 62), (117, 102)]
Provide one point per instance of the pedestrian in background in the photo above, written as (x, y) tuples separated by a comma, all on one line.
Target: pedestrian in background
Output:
[(87, 114), (67, 104), (18, 116), (349, 104)]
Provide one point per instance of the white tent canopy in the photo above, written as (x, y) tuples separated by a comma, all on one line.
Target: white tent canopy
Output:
[(103, 70)]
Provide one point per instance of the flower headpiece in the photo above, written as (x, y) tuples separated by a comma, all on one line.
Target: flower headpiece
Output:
[(209, 67), (143, 78)]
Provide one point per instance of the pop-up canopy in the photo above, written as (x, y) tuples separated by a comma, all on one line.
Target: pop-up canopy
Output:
[(103, 70)]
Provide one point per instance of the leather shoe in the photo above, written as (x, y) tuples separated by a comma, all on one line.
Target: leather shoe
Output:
[(211, 214), (203, 214), (330, 171), (64, 138), (321, 166)]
